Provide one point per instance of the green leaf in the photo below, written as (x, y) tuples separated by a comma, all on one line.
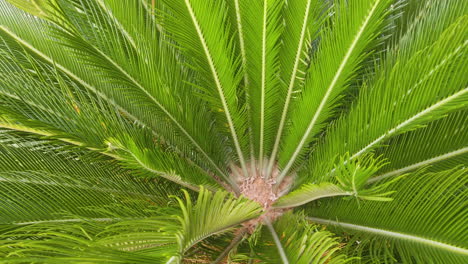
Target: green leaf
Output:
[(409, 92), (40, 181), (155, 161), (301, 242), (426, 222), (129, 83), (351, 177), (112, 240), (441, 145), (212, 214), (34, 95), (298, 34), (310, 192), (261, 36), (151, 236), (339, 55), (200, 28), (39, 8)]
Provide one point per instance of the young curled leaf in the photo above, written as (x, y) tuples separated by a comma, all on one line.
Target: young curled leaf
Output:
[(353, 175)]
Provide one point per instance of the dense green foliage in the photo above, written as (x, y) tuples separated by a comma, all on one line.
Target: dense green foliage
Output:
[(233, 131)]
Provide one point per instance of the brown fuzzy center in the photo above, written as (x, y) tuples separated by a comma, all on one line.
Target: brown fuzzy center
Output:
[(259, 187)]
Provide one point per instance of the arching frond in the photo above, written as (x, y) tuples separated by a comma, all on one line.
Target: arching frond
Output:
[(429, 16), (138, 86), (199, 28), (298, 35), (443, 144), (149, 238), (212, 214), (351, 178), (301, 243), (411, 91), (339, 54), (426, 222), (40, 181), (236, 18), (310, 192), (137, 155), (261, 31), (163, 234), (68, 244), (56, 107)]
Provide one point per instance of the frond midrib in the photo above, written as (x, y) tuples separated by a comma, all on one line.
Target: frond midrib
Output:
[(78, 186), (263, 82), (421, 164), (408, 121), (393, 235), (246, 77), (277, 241), (77, 220), (434, 106)]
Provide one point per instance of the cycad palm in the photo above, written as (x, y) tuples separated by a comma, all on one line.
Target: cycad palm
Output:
[(339, 127)]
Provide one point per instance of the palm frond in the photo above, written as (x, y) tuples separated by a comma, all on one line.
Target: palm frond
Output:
[(351, 178), (236, 18), (339, 54), (298, 35), (63, 249), (301, 242), (116, 240), (154, 87), (163, 234), (441, 145), (426, 222), (353, 175), (434, 17), (56, 107), (117, 72), (411, 92), (199, 28), (262, 19), (310, 192), (52, 100), (152, 236), (42, 180), (39, 8), (137, 155), (212, 214)]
